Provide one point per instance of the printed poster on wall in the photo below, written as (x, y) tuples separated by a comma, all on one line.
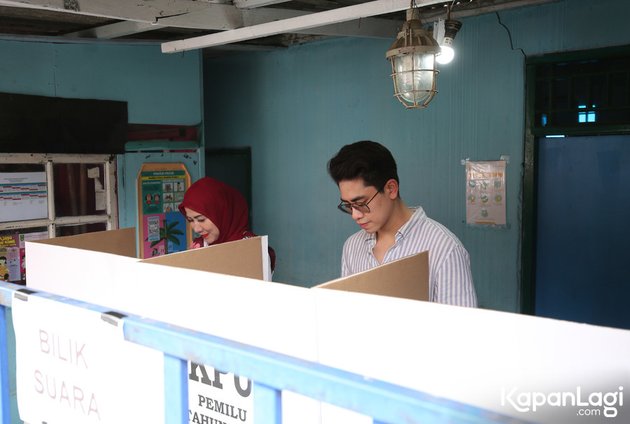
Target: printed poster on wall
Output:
[(13, 254), (23, 195), (162, 228), (485, 193)]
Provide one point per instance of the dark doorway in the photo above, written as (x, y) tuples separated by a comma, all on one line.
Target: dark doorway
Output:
[(233, 166), (576, 187)]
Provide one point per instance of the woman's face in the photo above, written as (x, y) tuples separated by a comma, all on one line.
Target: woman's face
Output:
[(202, 226)]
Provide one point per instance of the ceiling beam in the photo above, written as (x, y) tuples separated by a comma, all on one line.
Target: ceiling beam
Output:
[(368, 27), (203, 15), (141, 11), (313, 20), (252, 4), (116, 30), (364, 28)]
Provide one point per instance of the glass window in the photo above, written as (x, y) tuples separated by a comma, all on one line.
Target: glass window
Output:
[(79, 189), (577, 93), (71, 230), (45, 195)]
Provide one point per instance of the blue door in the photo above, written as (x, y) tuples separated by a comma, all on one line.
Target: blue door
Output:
[(583, 230)]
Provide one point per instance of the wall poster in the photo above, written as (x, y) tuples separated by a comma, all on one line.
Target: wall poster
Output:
[(23, 195), (162, 228), (485, 193), (13, 253)]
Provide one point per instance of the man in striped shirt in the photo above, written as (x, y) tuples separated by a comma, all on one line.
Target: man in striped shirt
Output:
[(367, 177)]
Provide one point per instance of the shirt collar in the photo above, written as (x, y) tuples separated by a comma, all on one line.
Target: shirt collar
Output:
[(417, 216)]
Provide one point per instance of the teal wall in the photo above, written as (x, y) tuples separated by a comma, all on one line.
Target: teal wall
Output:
[(298, 106), (158, 88)]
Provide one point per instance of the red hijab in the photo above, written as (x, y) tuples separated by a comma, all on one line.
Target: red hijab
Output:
[(221, 204)]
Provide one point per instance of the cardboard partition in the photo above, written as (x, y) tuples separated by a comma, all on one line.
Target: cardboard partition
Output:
[(118, 242), (518, 365), (272, 316), (227, 305), (407, 278), (243, 258), (490, 359)]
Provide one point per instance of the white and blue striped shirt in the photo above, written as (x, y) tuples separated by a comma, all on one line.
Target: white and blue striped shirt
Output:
[(450, 278)]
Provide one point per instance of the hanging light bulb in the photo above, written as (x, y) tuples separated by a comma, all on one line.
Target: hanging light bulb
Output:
[(412, 56), (451, 27)]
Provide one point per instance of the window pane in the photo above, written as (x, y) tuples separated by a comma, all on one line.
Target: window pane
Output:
[(576, 93), (71, 230), (23, 192), (79, 189)]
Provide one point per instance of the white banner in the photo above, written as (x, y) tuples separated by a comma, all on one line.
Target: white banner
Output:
[(74, 367)]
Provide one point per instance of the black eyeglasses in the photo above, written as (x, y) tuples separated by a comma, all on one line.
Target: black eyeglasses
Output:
[(359, 206)]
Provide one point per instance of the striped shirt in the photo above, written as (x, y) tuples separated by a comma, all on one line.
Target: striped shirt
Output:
[(450, 278)]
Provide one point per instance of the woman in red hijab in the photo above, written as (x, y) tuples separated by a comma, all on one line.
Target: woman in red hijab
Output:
[(218, 213)]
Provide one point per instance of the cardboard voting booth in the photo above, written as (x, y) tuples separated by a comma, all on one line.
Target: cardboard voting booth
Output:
[(105, 272), (531, 368), (406, 278)]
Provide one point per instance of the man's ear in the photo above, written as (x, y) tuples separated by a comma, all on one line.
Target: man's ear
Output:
[(391, 188)]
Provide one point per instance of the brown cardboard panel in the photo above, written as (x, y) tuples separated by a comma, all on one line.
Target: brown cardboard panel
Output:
[(119, 242), (407, 278), (242, 258)]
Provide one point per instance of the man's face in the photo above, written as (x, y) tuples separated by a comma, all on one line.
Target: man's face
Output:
[(379, 205)]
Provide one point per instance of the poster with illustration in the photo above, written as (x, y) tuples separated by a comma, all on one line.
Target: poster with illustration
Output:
[(162, 229), (9, 258), (13, 253), (485, 193)]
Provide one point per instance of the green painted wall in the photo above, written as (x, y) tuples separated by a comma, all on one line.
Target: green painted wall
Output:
[(298, 106)]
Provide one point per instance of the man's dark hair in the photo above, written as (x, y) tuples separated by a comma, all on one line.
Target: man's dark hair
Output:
[(365, 159)]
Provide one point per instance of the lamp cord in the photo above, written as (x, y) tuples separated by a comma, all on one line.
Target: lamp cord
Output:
[(509, 35)]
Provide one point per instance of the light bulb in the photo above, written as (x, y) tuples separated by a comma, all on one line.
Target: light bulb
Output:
[(446, 52)]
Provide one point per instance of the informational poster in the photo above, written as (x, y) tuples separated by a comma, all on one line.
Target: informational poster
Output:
[(23, 195), (73, 367), (485, 193), (162, 228)]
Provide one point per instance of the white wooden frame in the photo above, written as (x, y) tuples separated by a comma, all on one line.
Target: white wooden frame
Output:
[(110, 218)]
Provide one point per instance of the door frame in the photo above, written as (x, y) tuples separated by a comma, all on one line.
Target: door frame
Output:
[(530, 158)]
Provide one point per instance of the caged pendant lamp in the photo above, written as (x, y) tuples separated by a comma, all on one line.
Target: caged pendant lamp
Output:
[(412, 56)]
